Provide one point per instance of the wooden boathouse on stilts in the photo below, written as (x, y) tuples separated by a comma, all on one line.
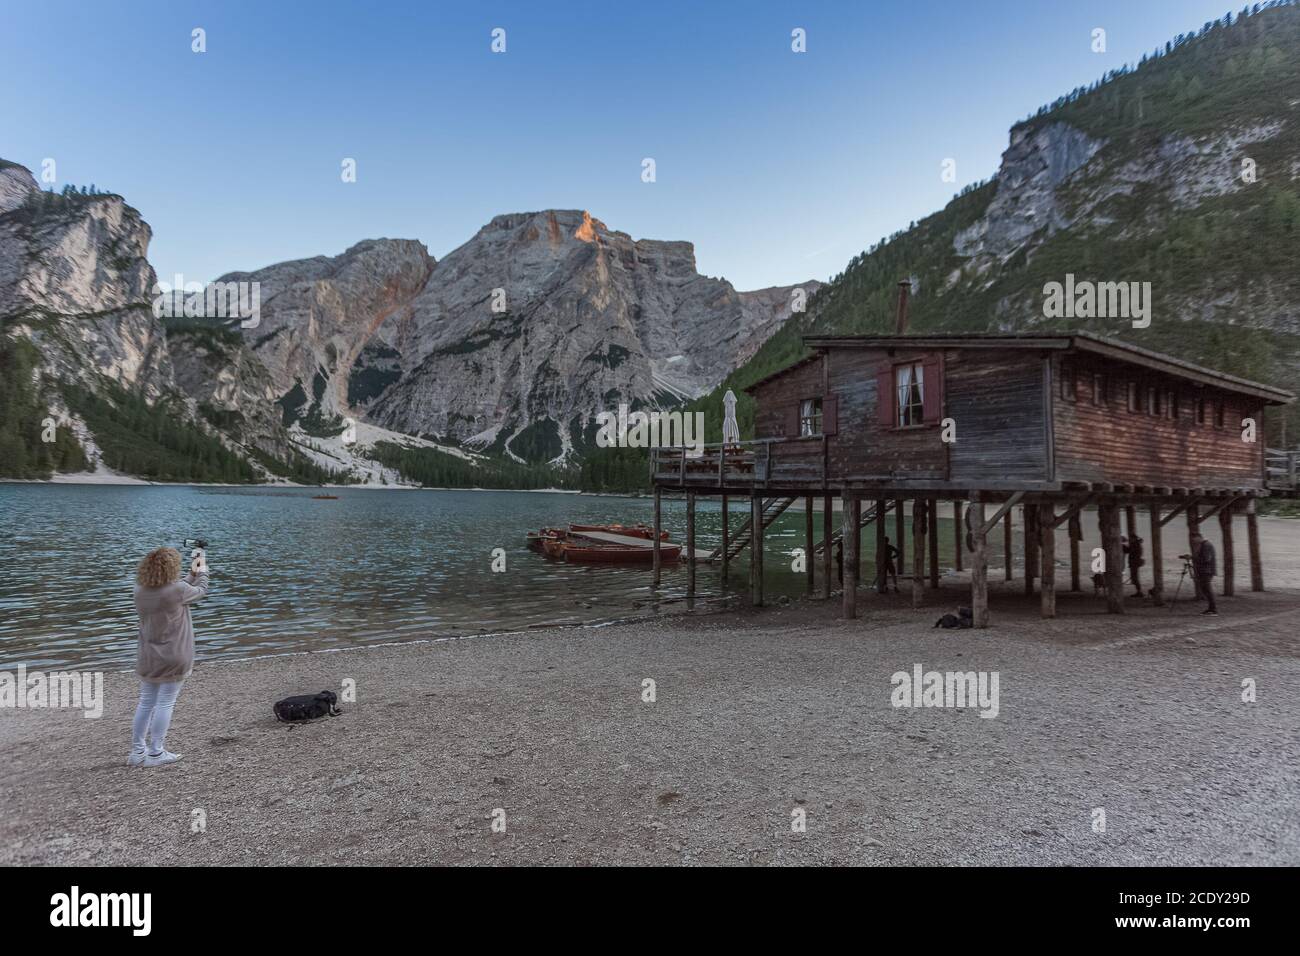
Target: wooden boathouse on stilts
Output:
[(984, 425)]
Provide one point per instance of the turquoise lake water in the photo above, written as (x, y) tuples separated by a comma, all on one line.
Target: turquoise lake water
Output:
[(290, 573)]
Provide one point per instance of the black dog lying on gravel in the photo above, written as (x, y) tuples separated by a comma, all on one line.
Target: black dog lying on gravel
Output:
[(962, 618)]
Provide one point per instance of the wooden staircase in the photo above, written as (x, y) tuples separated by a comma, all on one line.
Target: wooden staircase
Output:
[(740, 537), (868, 516)]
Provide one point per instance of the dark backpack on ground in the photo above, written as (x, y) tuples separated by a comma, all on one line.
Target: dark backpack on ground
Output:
[(307, 707)]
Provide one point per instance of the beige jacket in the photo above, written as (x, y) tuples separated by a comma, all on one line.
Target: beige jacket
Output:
[(166, 634)]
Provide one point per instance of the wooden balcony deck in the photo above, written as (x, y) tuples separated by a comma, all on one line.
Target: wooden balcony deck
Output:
[(801, 466), (750, 464)]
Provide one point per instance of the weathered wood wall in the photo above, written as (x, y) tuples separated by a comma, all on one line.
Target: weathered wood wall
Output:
[(995, 399), (997, 402), (774, 400), (1110, 443), (864, 448)]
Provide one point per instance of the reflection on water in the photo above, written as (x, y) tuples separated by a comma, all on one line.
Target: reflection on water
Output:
[(291, 573)]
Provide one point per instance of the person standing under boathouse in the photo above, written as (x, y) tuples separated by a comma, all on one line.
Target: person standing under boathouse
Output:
[(1135, 562), (1204, 568), (889, 569)]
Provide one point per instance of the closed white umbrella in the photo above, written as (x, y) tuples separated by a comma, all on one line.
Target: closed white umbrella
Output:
[(730, 429)]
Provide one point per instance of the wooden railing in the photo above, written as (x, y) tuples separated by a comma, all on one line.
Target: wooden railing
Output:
[(743, 463)]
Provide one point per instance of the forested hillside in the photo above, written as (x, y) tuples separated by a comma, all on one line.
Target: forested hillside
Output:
[(1164, 199)]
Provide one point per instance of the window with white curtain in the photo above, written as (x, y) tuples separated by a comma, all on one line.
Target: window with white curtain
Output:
[(909, 381), (810, 417)]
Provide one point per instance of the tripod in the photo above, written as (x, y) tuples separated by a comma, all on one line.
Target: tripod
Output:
[(1187, 567)]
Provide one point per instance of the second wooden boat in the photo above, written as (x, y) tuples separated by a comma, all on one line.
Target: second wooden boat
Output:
[(594, 553), (630, 530)]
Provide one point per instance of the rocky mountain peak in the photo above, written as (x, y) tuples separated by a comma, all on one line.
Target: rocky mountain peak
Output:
[(16, 185)]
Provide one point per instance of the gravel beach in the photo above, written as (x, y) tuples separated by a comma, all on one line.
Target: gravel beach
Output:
[(757, 715)]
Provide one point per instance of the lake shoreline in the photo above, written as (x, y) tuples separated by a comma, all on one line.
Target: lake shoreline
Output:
[(754, 715), (126, 481)]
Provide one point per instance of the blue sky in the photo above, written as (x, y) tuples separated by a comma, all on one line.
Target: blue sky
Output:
[(778, 166)]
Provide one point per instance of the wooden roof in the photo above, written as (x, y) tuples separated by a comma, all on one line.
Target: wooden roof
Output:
[(1072, 341)]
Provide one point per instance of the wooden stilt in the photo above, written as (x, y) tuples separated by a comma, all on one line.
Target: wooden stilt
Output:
[(827, 556), (900, 533), (1193, 527), (1252, 545), (1229, 570), (809, 563), (849, 535), (690, 546), (756, 550), (979, 571), (881, 582), (918, 551), (959, 536), (658, 520), (932, 528), (1047, 548), (726, 537), (1076, 536), (1108, 517), (1006, 541), (1031, 546), (1157, 559), (857, 540)]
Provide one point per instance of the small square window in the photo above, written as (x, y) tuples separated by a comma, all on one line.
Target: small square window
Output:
[(810, 417), (1134, 402), (1218, 414), (1202, 411), (1069, 384), (1171, 404), (1098, 389), (1153, 400)]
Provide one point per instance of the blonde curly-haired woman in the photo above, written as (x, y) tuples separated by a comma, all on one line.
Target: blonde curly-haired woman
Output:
[(166, 654)]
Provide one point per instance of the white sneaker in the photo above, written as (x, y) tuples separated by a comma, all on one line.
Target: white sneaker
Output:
[(157, 760), (136, 758)]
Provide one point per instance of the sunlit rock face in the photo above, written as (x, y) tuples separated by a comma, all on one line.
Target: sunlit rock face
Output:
[(544, 319), (514, 341), (536, 324)]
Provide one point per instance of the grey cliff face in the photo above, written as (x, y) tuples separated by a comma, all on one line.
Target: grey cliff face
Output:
[(82, 260), (534, 325), (317, 314), (586, 318), (1026, 204)]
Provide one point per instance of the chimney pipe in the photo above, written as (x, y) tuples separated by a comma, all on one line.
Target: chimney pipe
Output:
[(904, 287)]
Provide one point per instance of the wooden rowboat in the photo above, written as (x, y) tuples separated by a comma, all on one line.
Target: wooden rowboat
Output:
[(630, 530), (592, 553), (538, 539), (553, 547)]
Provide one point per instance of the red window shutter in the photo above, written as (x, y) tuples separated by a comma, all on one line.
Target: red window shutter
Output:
[(830, 415), (932, 396), (792, 421), (887, 401)]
